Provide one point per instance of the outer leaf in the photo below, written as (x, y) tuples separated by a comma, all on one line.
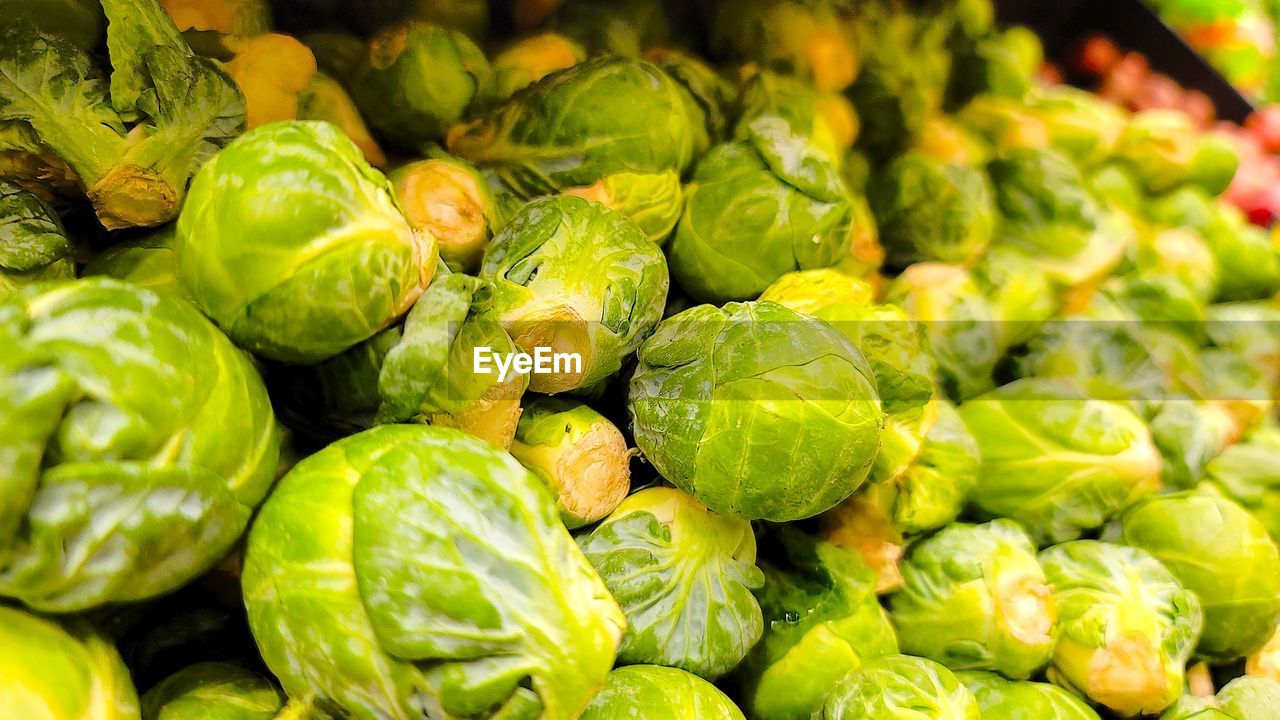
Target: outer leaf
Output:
[(212, 691), (661, 694), (134, 29), (33, 244)]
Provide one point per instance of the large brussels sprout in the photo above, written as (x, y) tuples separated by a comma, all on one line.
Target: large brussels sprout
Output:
[(114, 491), (1001, 699), (929, 210), (684, 577), (61, 671), (899, 686), (212, 691), (450, 199), (822, 621), (578, 126), (649, 692), (1060, 465), (717, 387), (379, 584), (417, 81), (576, 277), (1127, 627), (801, 38), (1244, 698), (1249, 473), (33, 244), (974, 597), (1221, 553), (578, 453), (757, 209), (296, 247)]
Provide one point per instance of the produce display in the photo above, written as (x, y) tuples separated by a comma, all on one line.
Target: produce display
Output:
[(609, 359)]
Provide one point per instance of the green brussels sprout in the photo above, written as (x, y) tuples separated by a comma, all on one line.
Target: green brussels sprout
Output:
[(1020, 292), (1190, 435), (808, 113), (280, 283), (1221, 553), (900, 686), (61, 670), (33, 244), (576, 277), (975, 598), (822, 621), (417, 81), (324, 98), (626, 116), (684, 577), (715, 389), (649, 692), (1043, 203), (213, 691), (115, 492), (1003, 123), (653, 201), (768, 205), (1244, 698), (1183, 256), (928, 210), (1004, 64), (147, 262), (1248, 264), (578, 453), (516, 624), (958, 320), (1126, 626), (862, 523), (1001, 699), (450, 199), (1246, 329), (423, 370), (1081, 125), (1165, 150), (1058, 463), (1248, 472), (711, 93), (529, 60)]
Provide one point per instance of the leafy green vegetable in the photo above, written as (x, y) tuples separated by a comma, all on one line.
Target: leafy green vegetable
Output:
[(895, 685), (660, 693)]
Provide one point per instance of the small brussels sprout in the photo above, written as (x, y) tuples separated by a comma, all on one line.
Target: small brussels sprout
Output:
[(1002, 64), (1249, 473), (60, 670), (900, 686), (115, 492), (1221, 553), (1080, 125), (1166, 150), (272, 71), (805, 39), (1244, 698), (613, 27), (418, 80), (623, 115), (809, 114), (822, 621), (716, 387), (653, 201), (1001, 699), (148, 262), (684, 577), (928, 210), (339, 556), (576, 277), (767, 205), (578, 453), (34, 247), (450, 199), (1127, 627), (1059, 464), (529, 60), (659, 693), (213, 691), (272, 231), (974, 597), (1190, 435), (1248, 264), (326, 99)]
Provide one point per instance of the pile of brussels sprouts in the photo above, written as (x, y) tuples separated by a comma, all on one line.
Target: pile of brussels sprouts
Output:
[(908, 386)]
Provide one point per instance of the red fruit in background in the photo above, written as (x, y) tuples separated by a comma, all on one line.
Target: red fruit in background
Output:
[(1265, 126), (1097, 56), (1199, 107)]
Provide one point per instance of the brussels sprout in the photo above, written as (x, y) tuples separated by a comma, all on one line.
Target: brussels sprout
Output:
[(712, 94), (1020, 292), (1182, 255), (765, 206), (229, 17), (1002, 64), (715, 389), (212, 691), (1248, 264), (33, 244), (649, 692), (272, 71), (958, 321), (1001, 699), (1127, 627), (927, 210), (518, 624), (281, 283), (578, 453), (337, 53), (418, 80), (1249, 473), (862, 523), (450, 199), (800, 38), (529, 60), (613, 27), (625, 116), (823, 620), (653, 201), (325, 99), (943, 139), (1060, 465), (808, 114), (80, 22), (900, 686), (579, 278), (116, 492), (1190, 435), (974, 598), (1003, 123), (61, 670), (684, 577), (1080, 125), (1221, 553), (1244, 698), (147, 262), (1166, 150)]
